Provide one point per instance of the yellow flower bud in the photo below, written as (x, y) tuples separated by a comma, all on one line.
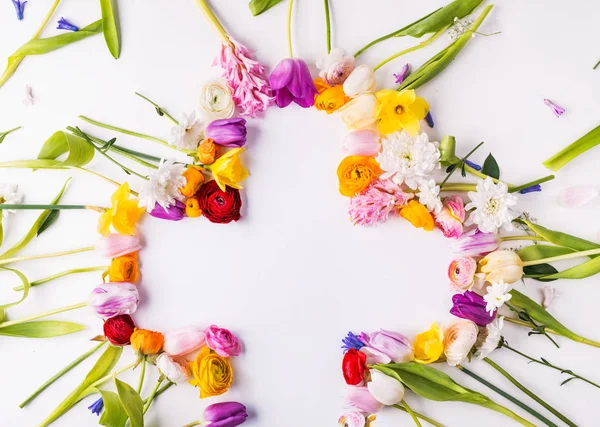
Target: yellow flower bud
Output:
[(502, 265), (192, 208), (194, 180), (429, 345)]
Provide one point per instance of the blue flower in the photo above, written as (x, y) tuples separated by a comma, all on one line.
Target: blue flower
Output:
[(429, 120), (97, 406), (473, 165), (352, 342), (19, 8), (531, 189), (63, 24)]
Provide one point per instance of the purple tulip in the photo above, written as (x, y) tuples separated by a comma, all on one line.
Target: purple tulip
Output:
[(227, 132), (292, 81), (226, 414), (112, 299), (393, 344), (476, 243), (471, 306), (174, 212)]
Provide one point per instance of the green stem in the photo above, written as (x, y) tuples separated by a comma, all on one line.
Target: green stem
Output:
[(562, 257), (513, 238), (374, 42), (161, 111), (583, 144), (528, 392), (532, 183), (107, 179), (411, 413), (215, 21), (46, 19), (535, 328), (8, 132), (460, 163), (573, 337), (454, 186), (45, 314), (328, 26), (51, 255), (289, 28), (142, 375), (411, 49), (423, 417), (50, 207), (62, 274), (507, 396), (162, 390), (193, 423), (127, 132), (596, 66), (60, 374), (152, 395), (481, 175)]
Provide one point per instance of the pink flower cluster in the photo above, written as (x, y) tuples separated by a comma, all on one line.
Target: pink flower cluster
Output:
[(374, 205)]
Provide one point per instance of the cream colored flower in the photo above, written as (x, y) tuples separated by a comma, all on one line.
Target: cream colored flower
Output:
[(459, 339), (216, 100), (360, 112)]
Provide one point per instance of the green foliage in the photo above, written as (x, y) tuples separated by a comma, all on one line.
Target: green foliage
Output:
[(41, 329), (490, 167), (259, 6), (26, 286), (132, 402), (110, 27), (539, 251), (114, 414), (540, 272), (583, 144), (79, 152)]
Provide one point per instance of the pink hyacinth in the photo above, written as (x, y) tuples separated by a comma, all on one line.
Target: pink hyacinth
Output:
[(251, 91), (375, 203)]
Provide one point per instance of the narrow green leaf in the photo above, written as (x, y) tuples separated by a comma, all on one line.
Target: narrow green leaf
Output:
[(33, 164), (562, 239), (490, 167), (26, 286), (79, 151), (1, 231), (41, 329), (110, 26), (6, 133), (540, 272), (583, 144), (114, 414), (49, 221), (260, 6), (566, 381), (132, 402), (581, 271), (539, 251)]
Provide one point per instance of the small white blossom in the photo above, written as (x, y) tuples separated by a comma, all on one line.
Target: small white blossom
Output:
[(497, 295), (409, 160), (429, 195), (188, 134), (492, 204), (459, 28), (489, 339), (10, 195), (163, 186)]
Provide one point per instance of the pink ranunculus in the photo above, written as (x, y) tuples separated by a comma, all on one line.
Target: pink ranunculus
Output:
[(461, 273), (394, 345), (362, 143), (450, 219), (222, 341), (182, 341), (116, 245), (361, 398)]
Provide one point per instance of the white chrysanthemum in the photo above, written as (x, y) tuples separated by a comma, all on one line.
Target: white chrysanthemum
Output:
[(489, 339), (216, 100), (10, 195), (163, 186), (409, 160), (429, 195), (492, 204), (497, 295), (187, 135)]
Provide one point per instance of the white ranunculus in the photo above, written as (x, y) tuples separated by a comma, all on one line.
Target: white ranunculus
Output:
[(385, 389), (361, 80), (459, 339), (174, 371), (360, 112), (216, 100)]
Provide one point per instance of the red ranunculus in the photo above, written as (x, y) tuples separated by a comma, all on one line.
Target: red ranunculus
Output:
[(118, 329), (354, 367), (219, 206)]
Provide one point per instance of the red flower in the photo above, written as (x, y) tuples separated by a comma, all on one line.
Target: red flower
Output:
[(219, 206), (118, 329), (354, 367)]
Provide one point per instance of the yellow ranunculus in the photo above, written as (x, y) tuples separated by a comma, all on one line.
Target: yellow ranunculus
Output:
[(144, 341), (212, 373), (400, 110), (355, 173), (124, 269), (123, 214), (229, 170), (429, 345), (418, 215), (330, 98)]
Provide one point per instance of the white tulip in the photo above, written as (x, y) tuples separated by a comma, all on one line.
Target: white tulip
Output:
[(385, 389), (360, 112), (361, 80), (174, 371)]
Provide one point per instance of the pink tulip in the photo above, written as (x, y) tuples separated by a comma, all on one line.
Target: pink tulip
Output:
[(361, 143), (451, 217), (183, 341), (116, 245), (361, 398)]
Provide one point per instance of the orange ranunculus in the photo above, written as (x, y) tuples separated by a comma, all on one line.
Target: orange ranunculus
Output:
[(146, 342), (212, 373), (355, 173), (192, 207), (331, 99), (124, 269), (321, 85), (123, 214), (194, 178), (208, 151), (418, 215)]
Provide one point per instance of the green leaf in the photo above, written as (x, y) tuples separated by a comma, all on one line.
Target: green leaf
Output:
[(41, 329), (583, 144), (581, 271), (114, 414), (36, 226), (6, 133), (566, 381), (1, 231), (26, 287), (259, 6), (132, 402), (490, 167), (535, 252), (563, 239), (110, 26), (33, 164), (49, 221), (540, 271), (79, 151)]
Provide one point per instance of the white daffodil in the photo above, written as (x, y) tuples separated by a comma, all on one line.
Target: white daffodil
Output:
[(10, 195), (187, 135), (429, 195), (216, 100), (409, 160), (497, 295), (163, 186), (489, 338), (492, 205)]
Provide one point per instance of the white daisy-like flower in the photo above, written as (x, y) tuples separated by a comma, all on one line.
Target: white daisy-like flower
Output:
[(488, 339), (429, 195), (163, 186), (9, 195), (409, 160), (497, 295), (492, 204), (187, 135)]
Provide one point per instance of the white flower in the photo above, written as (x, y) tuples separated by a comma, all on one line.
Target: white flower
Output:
[(360, 80), (163, 185), (188, 134), (216, 100), (459, 339), (489, 338), (335, 67), (429, 195), (492, 204), (385, 389), (459, 28), (360, 112), (496, 296), (409, 160), (10, 195), (174, 371)]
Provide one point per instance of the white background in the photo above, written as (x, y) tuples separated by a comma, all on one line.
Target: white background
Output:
[(293, 276)]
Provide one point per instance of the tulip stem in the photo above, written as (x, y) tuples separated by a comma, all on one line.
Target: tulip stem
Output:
[(162, 390), (215, 21), (527, 237), (161, 111), (528, 392), (562, 257), (45, 314), (50, 207), (107, 179), (289, 27), (193, 423), (328, 26), (62, 274), (152, 395), (455, 186), (52, 255), (527, 320), (60, 373), (411, 413), (142, 375), (423, 417)]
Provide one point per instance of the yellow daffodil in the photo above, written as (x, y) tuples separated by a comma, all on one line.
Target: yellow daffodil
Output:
[(228, 169), (429, 345), (123, 214), (400, 110)]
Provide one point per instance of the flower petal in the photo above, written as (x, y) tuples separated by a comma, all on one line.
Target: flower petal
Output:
[(576, 197), (282, 74)]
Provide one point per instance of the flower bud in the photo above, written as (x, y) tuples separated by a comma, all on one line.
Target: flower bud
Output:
[(112, 299), (225, 414), (194, 178), (361, 143), (192, 207), (461, 273), (335, 67), (450, 219), (459, 339), (360, 80), (360, 112), (222, 341), (147, 342), (124, 269), (174, 371), (227, 132), (448, 151), (116, 245), (208, 152), (471, 306), (385, 389), (354, 367), (172, 213), (393, 344), (502, 265), (182, 341), (476, 243), (118, 329)]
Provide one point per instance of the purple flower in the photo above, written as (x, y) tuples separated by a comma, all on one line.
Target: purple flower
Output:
[(227, 132), (226, 414), (429, 120), (393, 344), (174, 212), (19, 8), (112, 299), (352, 342), (471, 306), (531, 189), (403, 74), (558, 111), (473, 165), (476, 243), (292, 81), (97, 406), (63, 24)]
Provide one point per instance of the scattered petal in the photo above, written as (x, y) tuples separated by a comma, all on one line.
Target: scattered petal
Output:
[(576, 197), (473, 165), (19, 8), (28, 99), (549, 294), (531, 189), (63, 24), (557, 110), (429, 120), (400, 77)]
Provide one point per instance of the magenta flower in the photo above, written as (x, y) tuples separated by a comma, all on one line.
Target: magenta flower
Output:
[(225, 414), (291, 81), (557, 110), (374, 205), (450, 219), (174, 212), (400, 77), (227, 132), (471, 306), (222, 341), (251, 91), (112, 299)]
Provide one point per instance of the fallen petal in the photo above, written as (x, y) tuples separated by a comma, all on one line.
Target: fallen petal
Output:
[(576, 197), (549, 295)]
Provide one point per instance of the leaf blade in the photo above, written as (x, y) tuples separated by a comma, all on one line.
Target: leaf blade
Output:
[(132, 403), (490, 167), (41, 329), (260, 6), (114, 414), (110, 27)]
